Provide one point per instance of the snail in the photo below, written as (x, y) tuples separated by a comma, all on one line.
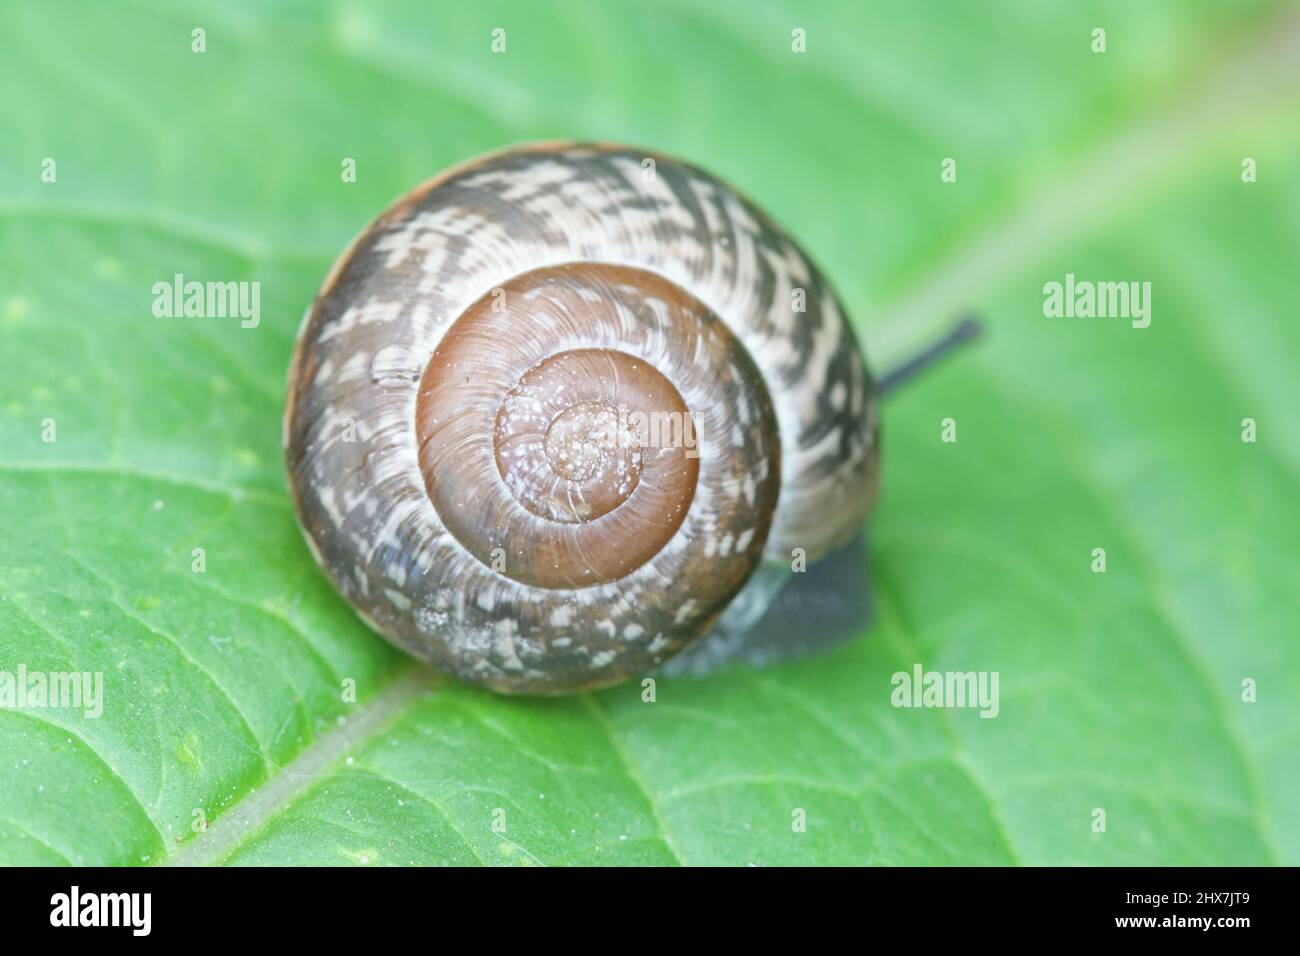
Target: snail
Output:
[(564, 409)]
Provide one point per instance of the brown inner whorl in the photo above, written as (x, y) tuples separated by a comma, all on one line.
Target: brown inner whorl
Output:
[(560, 466)]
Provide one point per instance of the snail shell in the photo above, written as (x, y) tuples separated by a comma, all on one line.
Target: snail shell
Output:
[(466, 421)]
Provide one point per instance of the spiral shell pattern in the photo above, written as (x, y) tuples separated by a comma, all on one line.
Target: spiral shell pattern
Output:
[(550, 412)]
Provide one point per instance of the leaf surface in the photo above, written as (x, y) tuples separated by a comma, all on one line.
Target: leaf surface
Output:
[(223, 690)]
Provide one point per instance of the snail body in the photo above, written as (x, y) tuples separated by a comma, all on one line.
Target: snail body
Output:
[(554, 409)]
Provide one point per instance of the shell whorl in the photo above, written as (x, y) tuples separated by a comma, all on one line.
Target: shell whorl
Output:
[(465, 427)]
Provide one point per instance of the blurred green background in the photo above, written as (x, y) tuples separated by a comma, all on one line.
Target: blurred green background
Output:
[(1119, 691)]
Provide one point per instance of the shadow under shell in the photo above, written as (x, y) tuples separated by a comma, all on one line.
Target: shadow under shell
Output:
[(811, 612)]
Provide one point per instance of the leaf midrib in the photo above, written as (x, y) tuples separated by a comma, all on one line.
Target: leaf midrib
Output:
[(1100, 183), (366, 722)]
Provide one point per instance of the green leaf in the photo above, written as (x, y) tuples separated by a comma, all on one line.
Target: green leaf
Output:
[(224, 693)]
